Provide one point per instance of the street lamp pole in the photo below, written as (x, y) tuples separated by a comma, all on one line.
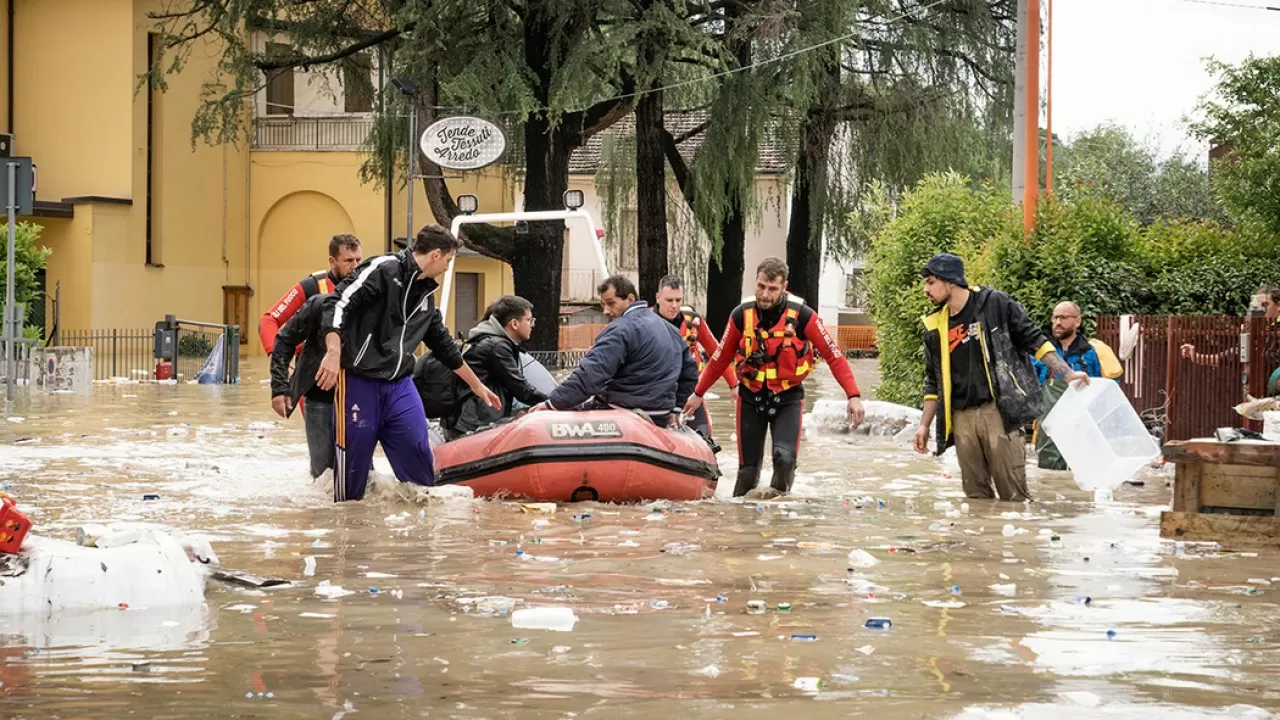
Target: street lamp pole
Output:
[(410, 91), (413, 158)]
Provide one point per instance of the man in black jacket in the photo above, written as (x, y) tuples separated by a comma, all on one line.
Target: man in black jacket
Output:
[(977, 348), (493, 351), (638, 362), (372, 325), (304, 327)]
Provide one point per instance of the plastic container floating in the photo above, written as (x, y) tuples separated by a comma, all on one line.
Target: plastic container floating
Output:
[(1100, 436), (879, 623), (544, 618)]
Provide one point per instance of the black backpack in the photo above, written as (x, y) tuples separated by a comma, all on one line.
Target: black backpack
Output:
[(438, 387)]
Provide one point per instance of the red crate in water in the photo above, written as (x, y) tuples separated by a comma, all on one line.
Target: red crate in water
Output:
[(13, 525)]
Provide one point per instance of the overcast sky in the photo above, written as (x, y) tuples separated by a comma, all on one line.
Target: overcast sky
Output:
[(1138, 63)]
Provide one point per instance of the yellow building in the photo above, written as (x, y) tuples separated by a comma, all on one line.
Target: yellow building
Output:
[(141, 225)]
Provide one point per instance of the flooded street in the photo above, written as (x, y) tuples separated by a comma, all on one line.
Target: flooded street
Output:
[(407, 613)]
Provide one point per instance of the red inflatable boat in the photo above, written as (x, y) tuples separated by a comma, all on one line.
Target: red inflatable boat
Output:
[(605, 455)]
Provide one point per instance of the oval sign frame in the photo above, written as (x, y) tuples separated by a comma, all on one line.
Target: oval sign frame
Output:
[(463, 142)]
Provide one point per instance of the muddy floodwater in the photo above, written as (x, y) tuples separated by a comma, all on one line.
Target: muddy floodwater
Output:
[(407, 613)]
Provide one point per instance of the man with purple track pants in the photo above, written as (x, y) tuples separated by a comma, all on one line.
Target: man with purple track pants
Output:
[(372, 323)]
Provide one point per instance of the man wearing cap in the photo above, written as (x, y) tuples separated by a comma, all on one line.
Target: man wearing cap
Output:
[(976, 348)]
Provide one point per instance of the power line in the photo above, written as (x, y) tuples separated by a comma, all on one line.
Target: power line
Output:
[(1224, 3)]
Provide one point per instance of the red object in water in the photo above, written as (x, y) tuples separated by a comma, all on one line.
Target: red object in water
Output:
[(13, 525), (604, 455), (164, 370)]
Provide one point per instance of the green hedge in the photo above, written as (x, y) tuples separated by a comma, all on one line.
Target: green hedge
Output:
[(1090, 250), (939, 215)]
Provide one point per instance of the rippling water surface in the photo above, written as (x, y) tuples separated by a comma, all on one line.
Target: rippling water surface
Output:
[(984, 623)]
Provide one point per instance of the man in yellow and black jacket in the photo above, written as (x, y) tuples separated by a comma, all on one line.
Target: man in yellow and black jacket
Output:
[(979, 384)]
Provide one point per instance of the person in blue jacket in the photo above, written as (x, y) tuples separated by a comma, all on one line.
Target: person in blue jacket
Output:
[(638, 362), (1070, 343)]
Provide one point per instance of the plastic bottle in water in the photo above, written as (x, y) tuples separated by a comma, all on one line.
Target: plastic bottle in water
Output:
[(544, 618), (1102, 495)]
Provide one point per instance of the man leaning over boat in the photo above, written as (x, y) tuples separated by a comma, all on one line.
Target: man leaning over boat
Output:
[(638, 362)]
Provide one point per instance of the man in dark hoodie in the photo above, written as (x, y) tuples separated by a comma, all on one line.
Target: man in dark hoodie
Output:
[(493, 351), (372, 325), (977, 348), (304, 327)]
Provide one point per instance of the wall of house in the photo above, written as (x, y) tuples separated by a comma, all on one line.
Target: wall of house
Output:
[(299, 199), (73, 94), (71, 240), (78, 116)]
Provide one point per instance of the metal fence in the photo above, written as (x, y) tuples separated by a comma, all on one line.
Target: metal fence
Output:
[(1186, 399), (130, 353), (117, 353), (562, 360), (311, 133), (196, 340)]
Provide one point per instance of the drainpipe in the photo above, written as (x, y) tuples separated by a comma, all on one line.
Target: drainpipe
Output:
[(248, 197)]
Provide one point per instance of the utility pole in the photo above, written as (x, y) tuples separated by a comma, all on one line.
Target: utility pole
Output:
[(1048, 104), (9, 336), (1020, 104), (1031, 152)]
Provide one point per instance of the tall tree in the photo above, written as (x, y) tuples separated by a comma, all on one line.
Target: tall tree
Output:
[(553, 70), (720, 184), (881, 98), (1243, 116), (1110, 162)]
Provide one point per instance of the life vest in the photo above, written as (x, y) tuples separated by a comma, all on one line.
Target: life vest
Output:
[(316, 283), (690, 321), (773, 358)]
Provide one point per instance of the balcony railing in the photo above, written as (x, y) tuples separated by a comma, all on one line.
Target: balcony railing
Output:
[(311, 133)]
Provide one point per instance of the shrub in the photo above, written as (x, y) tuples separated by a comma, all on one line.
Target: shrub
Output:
[(1085, 252), (194, 345), (940, 214)]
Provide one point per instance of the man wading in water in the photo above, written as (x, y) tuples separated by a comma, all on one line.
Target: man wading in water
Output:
[(775, 340), (977, 366)]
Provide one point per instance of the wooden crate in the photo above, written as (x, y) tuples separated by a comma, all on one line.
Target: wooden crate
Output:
[(1224, 492)]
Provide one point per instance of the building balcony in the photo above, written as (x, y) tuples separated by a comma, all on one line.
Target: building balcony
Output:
[(330, 133), (579, 286)]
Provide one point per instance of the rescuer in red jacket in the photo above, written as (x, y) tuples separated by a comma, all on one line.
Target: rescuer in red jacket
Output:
[(344, 256), (669, 303), (316, 404), (774, 341)]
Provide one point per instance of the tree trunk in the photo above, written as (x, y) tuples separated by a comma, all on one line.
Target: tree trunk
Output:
[(724, 280), (651, 194), (538, 254), (808, 207)]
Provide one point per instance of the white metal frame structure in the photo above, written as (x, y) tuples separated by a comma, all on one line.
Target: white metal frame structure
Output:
[(447, 287)]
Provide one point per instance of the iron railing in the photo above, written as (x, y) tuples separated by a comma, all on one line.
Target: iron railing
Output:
[(311, 133), (129, 353), (117, 353), (1185, 399)]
